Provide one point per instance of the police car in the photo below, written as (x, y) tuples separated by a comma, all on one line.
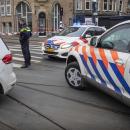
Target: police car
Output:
[(105, 62), (7, 75), (58, 46)]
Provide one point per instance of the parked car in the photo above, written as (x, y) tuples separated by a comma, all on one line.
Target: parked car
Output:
[(7, 76), (58, 46), (105, 62)]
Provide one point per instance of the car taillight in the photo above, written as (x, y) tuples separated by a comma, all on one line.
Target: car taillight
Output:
[(7, 59)]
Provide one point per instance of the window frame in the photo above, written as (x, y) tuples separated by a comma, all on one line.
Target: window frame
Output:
[(2, 5), (121, 6), (106, 5), (107, 34), (8, 5), (110, 3), (77, 3), (90, 4), (5, 8)]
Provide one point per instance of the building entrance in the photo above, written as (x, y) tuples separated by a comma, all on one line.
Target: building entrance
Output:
[(42, 24)]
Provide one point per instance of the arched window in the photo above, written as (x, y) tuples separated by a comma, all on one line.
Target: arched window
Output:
[(24, 11), (56, 16)]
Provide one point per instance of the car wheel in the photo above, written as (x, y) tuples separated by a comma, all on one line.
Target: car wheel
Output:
[(73, 76)]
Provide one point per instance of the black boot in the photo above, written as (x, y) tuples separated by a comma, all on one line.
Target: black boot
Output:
[(24, 66)]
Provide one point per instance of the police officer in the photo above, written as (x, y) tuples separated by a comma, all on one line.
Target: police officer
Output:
[(25, 34)]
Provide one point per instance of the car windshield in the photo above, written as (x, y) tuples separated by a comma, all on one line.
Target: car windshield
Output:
[(73, 31)]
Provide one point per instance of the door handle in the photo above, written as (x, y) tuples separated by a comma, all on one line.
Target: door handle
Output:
[(119, 62)]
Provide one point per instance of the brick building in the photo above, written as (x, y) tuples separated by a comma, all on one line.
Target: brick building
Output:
[(40, 15), (83, 8), (45, 15)]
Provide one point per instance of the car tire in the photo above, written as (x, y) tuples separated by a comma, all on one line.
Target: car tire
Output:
[(73, 76)]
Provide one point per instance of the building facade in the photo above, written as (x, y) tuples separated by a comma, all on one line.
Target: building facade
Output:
[(41, 15), (83, 8), (46, 15)]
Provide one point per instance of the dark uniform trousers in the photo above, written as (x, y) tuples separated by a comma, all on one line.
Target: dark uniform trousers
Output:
[(26, 52)]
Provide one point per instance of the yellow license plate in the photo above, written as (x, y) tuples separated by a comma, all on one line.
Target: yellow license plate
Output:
[(50, 49)]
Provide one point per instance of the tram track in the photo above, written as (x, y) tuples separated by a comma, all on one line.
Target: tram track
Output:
[(75, 100), (7, 125), (37, 112), (27, 83)]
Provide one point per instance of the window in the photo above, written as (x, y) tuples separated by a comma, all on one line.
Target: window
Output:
[(73, 31), (118, 38), (95, 31), (24, 11), (8, 2), (78, 5), (56, 17), (121, 6), (10, 27), (3, 28), (2, 11), (87, 4), (7, 27), (2, 7), (90, 31), (114, 5), (8, 10), (110, 5), (5, 7), (105, 4), (99, 31), (129, 4)]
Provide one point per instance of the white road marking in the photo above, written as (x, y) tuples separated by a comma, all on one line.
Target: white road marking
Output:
[(22, 59), (31, 56), (15, 49), (16, 65), (33, 52)]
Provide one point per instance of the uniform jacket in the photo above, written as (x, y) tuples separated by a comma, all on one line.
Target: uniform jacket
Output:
[(25, 34)]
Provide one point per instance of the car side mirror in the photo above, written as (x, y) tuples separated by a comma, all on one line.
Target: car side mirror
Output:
[(93, 41), (107, 45)]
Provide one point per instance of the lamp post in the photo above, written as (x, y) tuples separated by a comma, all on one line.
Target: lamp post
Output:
[(94, 11)]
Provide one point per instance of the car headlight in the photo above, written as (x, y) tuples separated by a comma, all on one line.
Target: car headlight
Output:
[(66, 46)]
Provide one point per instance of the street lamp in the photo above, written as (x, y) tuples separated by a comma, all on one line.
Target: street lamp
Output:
[(94, 11)]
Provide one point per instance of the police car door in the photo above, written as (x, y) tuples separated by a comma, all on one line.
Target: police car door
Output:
[(112, 53)]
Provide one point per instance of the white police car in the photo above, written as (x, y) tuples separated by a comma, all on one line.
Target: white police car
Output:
[(7, 76), (105, 62), (58, 46)]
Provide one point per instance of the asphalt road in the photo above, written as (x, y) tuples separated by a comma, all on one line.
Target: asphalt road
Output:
[(42, 100)]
